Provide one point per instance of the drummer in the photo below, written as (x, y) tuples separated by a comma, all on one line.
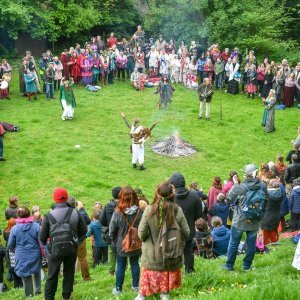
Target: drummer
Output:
[(4, 91)]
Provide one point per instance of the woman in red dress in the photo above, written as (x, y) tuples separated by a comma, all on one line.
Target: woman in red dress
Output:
[(75, 67), (157, 276), (64, 58)]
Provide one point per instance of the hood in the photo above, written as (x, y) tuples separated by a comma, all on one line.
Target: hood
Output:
[(296, 189), (252, 183), (276, 193), (25, 223), (97, 224), (177, 180), (222, 207), (131, 210), (220, 231)]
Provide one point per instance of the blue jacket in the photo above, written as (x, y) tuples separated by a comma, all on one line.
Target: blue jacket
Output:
[(221, 236), (95, 229), (23, 240), (201, 63), (295, 200), (221, 211)]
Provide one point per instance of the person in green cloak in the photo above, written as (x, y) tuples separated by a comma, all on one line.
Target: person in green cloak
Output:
[(67, 99)]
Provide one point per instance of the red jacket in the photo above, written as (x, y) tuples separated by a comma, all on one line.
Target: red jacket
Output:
[(111, 41), (225, 56)]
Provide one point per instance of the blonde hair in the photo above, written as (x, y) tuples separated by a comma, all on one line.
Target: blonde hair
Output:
[(216, 221)]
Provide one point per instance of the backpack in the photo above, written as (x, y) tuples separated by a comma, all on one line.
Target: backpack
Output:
[(131, 241), (169, 245), (63, 239), (255, 204)]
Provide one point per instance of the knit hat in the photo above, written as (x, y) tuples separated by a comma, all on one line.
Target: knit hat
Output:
[(115, 192), (60, 195)]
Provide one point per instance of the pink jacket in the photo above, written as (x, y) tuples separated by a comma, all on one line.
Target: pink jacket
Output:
[(121, 61)]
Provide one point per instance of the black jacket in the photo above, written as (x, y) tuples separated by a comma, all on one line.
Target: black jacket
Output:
[(85, 216), (108, 212), (292, 172), (59, 212), (188, 200), (11, 212)]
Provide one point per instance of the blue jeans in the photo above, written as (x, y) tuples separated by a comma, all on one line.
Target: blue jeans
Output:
[(219, 81), (1, 146), (49, 90), (121, 267), (235, 238)]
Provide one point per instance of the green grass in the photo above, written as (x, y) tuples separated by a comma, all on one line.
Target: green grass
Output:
[(43, 156)]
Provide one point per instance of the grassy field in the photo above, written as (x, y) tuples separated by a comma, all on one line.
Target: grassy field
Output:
[(43, 156)]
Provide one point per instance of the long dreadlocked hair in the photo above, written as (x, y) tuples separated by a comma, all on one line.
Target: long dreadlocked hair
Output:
[(163, 205)]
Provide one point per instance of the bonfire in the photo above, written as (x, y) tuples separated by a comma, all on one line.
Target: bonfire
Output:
[(174, 146)]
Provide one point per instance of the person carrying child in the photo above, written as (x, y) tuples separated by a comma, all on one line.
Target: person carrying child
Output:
[(203, 239)]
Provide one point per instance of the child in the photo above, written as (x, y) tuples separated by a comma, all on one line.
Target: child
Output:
[(202, 196), (220, 209), (30, 83), (100, 249), (203, 238), (221, 237)]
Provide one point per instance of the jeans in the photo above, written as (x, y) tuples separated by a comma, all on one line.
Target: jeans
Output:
[(49, 90), (1, 146), (219, 81), (110, 76), (295, 221), (121, 267), (82, 258), (112, 259), (32, 282), (100, 255), (95, 76), (54, 264), (235, 238), (189, 257)]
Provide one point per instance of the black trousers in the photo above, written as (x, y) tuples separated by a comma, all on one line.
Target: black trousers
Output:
[(54, 264), (110, 77), (100, 255), (121, 71), (189, 257), (295, 221)]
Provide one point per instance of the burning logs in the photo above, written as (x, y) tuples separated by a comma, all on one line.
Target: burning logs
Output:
[(174, 146)]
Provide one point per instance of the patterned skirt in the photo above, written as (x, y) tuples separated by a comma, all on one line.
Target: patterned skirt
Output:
[(155, 282), (251, 88)]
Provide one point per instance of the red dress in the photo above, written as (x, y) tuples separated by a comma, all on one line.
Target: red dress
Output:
[(64, 58), (155, 282), (75, 69)]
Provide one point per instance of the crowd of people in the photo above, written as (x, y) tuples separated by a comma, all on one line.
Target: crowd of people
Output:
[(181, 223), (147, 61)]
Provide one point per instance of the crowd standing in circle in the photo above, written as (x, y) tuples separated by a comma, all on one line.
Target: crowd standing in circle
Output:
[(205, 226)]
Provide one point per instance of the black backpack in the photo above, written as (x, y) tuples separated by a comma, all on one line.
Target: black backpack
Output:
[(63, 239)]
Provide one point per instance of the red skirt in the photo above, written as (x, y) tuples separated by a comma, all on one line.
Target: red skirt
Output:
[(251, 88), (155, 282), (270, 236), (3, 93), (288, 96)]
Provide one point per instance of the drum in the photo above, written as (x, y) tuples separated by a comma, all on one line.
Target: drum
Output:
[(4, 85)]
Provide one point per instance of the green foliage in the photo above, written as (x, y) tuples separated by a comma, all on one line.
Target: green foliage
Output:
[(264, 26), (55, 18)]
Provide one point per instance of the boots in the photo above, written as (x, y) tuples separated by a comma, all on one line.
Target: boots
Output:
[(134, 166), (248, 96), (252, 96), (142, 168)]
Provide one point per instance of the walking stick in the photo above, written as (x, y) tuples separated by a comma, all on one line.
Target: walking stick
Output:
[(221, 117)]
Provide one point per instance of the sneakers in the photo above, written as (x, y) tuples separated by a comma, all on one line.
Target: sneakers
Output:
[(2, 159), (135, 289), (229, 269), (249, 269), (63, 118), (164, 297), (142, 168), (116, 291)]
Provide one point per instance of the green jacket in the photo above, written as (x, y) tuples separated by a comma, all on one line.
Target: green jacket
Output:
[(149, 261)]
